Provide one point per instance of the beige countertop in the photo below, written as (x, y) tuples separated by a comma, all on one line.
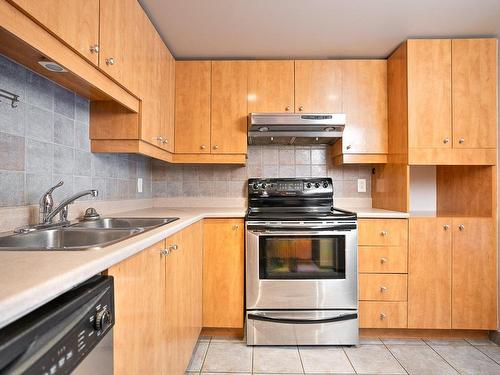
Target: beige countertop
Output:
[(376, 213), (28, 279)]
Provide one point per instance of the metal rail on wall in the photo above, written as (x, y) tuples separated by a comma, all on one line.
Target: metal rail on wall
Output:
[(10, 96)]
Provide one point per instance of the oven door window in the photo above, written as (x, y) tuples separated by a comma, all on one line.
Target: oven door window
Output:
[(302, 257)]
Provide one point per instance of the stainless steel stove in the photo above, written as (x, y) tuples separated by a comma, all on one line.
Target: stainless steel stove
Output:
[(301, 265)]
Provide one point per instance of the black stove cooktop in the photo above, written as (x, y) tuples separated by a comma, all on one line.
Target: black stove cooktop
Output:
[(294, 199)]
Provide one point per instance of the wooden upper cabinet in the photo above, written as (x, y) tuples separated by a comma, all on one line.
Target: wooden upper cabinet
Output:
[(223, 273), (429, 273), (229, 108), (167, 95), (429, 93), (76, 22), (474, 269), (122, 49), (318, 86), (364, 88), (192, 107), (271, 86), (474, 92)]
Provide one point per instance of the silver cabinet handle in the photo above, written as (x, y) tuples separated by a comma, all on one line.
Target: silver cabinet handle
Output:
[(203, 147), (287, 108), (446, 227), (165, 141), (165, 252), (159, 138), (236, 227), (461, 141), (461, 227), (349, 147), (383, 260), (110, 61), (382, 316), (301, 108), (173, 247), (216, 147), (446, 140), (94, 48), (383, 289), (383, 233)]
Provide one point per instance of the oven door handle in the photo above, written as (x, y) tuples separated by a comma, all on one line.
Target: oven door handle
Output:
[(332, 319), (297, 233)]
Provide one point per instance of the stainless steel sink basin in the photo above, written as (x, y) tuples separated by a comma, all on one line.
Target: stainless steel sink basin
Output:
[(65, 239), (119, 223)]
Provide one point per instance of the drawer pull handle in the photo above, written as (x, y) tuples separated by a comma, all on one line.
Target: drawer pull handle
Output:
[(383, 233), (461, 227), (236, 227), (382, 316), (173, 247), (383, 260), (383, 289), (446, 227), (165, 252)]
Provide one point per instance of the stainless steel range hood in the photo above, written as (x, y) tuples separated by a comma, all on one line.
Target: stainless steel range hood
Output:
[(295, 128)]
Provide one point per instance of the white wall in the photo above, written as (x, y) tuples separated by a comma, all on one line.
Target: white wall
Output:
[(423, 188)]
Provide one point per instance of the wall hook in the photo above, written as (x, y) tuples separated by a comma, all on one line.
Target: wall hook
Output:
[(10, 96)]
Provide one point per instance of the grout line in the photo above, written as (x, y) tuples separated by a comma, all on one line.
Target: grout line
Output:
[(440, 356), (206, 353), (397, 360), (349, 359), (486, 354), (253, 354), (300, 359)]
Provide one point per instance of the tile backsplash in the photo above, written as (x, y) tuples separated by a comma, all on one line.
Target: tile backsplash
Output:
[(46, 139), (263, 161)]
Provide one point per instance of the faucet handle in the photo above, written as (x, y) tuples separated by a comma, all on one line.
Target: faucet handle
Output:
[(49, 192)]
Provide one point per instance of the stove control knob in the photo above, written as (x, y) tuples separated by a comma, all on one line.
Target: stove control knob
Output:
[(255, 186), (308, 185), (325, 184), (102, 319), (316, 185), (264, 185)]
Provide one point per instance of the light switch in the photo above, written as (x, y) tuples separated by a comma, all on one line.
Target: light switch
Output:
[(361, 185), (139, 185)]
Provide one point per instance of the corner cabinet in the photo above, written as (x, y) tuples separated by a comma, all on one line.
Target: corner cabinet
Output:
[(443, 101)]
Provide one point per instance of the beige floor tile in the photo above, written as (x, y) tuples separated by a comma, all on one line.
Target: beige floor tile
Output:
[(325, 360), (373, 359), (198, 356), (226, 339), (228, 357), (491, 351), (404, 342), (441, 342), (273, 359), (369, 341), (204, 338), (468, 360), (480, 342), (417, 360), (226, 373)]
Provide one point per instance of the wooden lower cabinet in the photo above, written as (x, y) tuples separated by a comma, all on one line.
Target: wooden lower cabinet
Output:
[(158, 306), (382, 259), (382, 314), (382, 287), (429, 275), (223, 273), (139, 300), (382, 232)]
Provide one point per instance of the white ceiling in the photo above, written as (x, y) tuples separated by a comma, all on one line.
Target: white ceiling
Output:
[(313, 28)]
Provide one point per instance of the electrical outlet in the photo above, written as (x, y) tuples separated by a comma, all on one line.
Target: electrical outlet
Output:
[(139, 185), (361, 185)]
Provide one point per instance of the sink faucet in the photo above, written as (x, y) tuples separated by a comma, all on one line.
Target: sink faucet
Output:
[(47, 202), (62, 209)]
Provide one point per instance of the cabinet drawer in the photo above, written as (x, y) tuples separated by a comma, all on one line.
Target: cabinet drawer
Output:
[(382, 232), (382, 259), (382, 314), (382, 287)]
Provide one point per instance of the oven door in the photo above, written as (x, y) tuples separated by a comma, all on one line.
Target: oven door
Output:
[(302, 268)]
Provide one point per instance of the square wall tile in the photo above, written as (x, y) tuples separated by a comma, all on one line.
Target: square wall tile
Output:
[(12, 119), (39, 156), (39, 124), (11, 188), (64, 130), (12, 152), (64, 102)]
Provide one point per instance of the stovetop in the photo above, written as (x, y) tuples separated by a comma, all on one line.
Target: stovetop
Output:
[(293, 199)]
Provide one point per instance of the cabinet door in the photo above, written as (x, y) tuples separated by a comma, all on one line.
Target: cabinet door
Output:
[(192, 107), (429, 93), (229, 107), (167, 95), (365, 105), (318, 86), (223, 273), (76, 22), (474, 95), (122, 49), (271, 86), (474, 269), (429, 274), (137, 340)]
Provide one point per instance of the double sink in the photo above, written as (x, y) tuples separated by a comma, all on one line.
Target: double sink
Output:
[(83, 235)]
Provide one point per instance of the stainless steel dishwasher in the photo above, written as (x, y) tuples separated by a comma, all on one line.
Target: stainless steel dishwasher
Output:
[(71, 334)]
